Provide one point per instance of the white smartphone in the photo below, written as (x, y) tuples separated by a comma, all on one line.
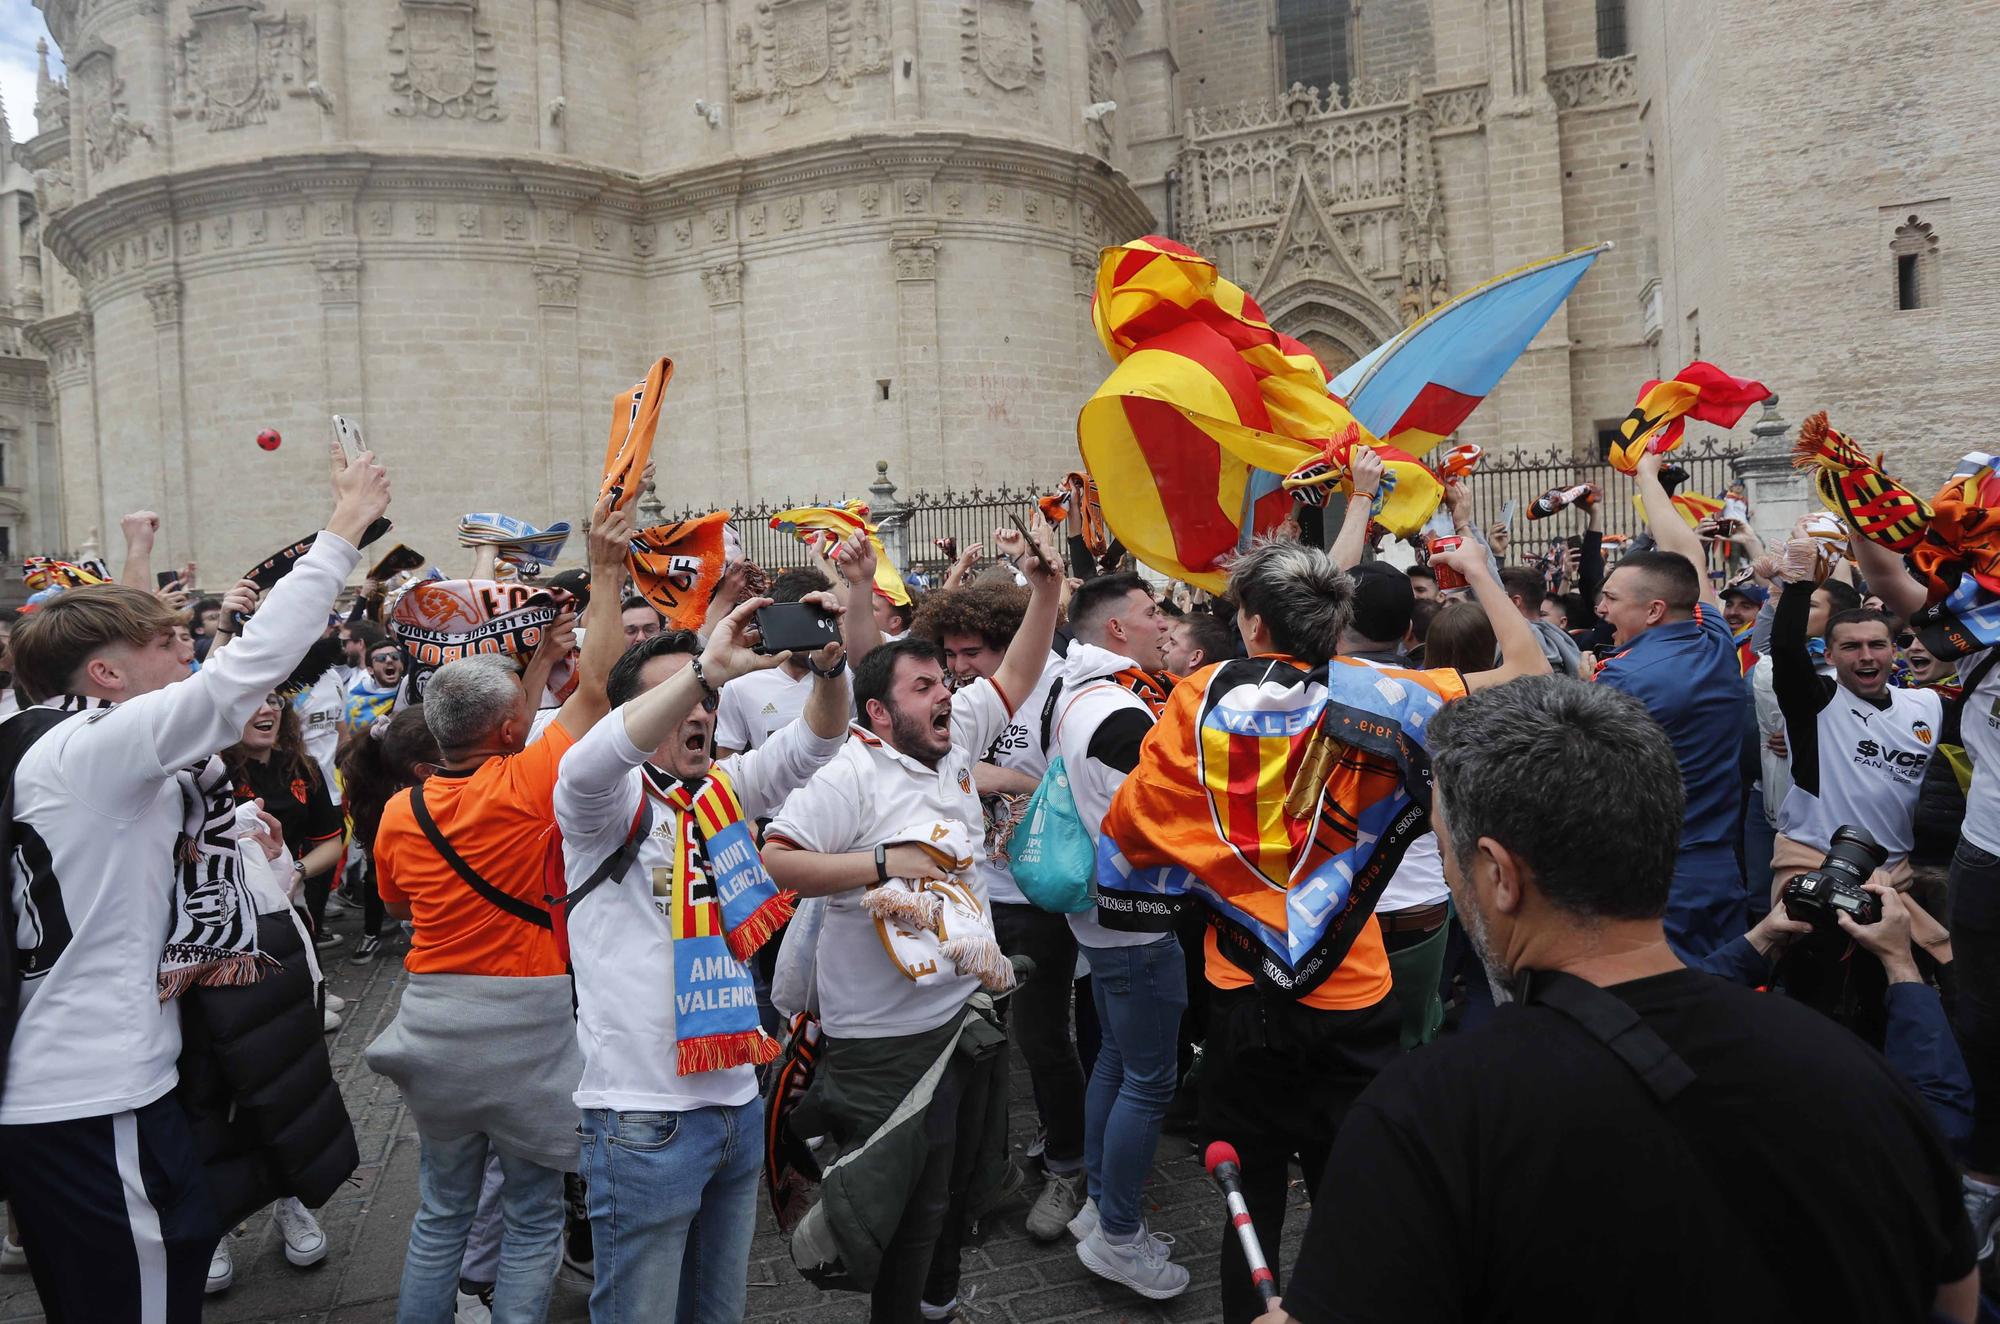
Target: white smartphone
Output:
[(348, 433), (1507, 512)]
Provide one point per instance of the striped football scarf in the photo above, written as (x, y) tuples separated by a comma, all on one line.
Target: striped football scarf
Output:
[(1874, 505), (721, 907), (213, 937)]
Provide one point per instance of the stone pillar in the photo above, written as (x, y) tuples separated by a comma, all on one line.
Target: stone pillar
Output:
[(549, 74), (176, 506), (723, 283), (1531, 406), (333, 97), (1778, 493), (915, 256), (66, 342), (889, 516), (340, 333), (569, 471), (715, 31), (903, 84)]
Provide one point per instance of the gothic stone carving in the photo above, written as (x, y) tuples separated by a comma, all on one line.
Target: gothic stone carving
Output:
[(339, 279), (54, 190), (165, 297), (448, 68), (916, 258), (108, 127), (231, 70), (1604, 83), (724, 283), (1000, 43), (798, 44), (556, 283)]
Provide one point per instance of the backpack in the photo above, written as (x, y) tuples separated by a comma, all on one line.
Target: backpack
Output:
[(1053, 856), (17, 735)]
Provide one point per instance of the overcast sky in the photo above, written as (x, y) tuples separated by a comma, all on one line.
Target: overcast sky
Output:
[(20, 25)]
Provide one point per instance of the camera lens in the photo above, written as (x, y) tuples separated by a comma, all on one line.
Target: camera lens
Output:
[(1854, 855)]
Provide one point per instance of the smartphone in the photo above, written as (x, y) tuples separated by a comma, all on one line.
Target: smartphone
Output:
[(348, 433), (798, 627), (167, 578), (1507, 512)]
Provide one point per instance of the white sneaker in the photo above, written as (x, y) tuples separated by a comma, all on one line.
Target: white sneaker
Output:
[(329, 1022), (304, 1243), (221, 1269), (938, 1314), (1142, 1266), (12, 1258), (335, 1003), (303, 1239), (1085, 1221), (471, 1310), (1061, 1201)]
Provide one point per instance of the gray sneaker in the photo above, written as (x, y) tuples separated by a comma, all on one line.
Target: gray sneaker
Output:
[(1061, 1199), (1142, 1266)]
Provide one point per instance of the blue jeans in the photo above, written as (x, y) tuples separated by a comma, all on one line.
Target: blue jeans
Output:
[(1140, 994), (531, 1209), (673, 1205)]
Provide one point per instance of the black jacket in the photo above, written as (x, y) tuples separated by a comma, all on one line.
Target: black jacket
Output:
[(258, 1088)]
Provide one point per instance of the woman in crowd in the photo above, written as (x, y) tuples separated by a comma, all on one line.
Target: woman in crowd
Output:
[(397, 751)]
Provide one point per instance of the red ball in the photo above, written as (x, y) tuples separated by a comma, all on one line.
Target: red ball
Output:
[(269, 439)]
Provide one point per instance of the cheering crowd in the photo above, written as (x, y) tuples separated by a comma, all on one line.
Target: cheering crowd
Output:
[(1581, 923)]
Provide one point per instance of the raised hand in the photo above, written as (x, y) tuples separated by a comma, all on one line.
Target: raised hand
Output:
[(731, 650), (610, 537), (360, 493)]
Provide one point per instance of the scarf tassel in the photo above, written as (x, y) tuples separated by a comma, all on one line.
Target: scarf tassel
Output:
[(717, 1052), (762, 925), (897, 902), (231, 972), (982, 958)]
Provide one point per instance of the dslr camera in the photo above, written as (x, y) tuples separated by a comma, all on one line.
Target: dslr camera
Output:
[(1835, 888)]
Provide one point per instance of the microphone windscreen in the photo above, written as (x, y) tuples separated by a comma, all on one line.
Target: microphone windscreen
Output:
[(1220, 1152)]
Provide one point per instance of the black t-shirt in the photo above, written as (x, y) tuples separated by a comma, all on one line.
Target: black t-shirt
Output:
[(1523, 1172), (296, 797)]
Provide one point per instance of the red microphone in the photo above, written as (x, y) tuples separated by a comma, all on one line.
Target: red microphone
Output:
[(1222, 1164)]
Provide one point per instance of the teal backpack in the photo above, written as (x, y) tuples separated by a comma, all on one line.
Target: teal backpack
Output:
[(1052, 854)]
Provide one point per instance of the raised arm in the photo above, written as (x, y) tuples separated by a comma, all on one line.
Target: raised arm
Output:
[(603, 638), (853, 562), (140, 528), (653, 716), (1889, 578), (1669, 530), (1353, 535), (1028, 654), (1520, 651)]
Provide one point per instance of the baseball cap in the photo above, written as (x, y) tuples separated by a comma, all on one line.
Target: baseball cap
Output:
[(1756, 593), (1383, 601)]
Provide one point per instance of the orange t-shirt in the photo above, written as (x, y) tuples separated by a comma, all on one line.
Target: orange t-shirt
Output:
[(497, 817)]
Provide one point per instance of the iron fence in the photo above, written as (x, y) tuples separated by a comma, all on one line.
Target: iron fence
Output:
[(913, 523)]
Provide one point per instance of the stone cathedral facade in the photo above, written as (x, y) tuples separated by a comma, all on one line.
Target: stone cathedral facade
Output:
[(863, 229)]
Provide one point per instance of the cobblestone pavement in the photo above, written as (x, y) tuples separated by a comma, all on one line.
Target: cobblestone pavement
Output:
[(1009, 1278)]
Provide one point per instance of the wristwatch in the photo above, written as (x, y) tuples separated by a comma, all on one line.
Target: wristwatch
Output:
[(882, 862), (839, 665)]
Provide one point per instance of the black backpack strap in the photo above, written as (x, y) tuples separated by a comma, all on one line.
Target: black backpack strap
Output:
[(1954, 711), (513, 905), (1049, 712), (616, 863), (1608, 1019)]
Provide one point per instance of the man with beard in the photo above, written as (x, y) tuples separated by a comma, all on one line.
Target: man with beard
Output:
[(1461, 1165), (909, 1050)]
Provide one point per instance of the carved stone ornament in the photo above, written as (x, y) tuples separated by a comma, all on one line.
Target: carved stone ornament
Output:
[(870, 196), (339, 279), (108, 127), (54, 190), (645, 238), (427, 218), (448, 70), (165, 297), (514, 223), (798, 44), (916, 258), (1602, 83), (792, 210), (684, 232), (1001, 43), (723, 282), (238, 63), (556, 284)]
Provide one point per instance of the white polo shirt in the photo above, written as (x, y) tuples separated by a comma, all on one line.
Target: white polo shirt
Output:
[(868, 794)]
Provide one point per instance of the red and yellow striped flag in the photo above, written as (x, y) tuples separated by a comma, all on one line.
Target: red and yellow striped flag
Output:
[(1209, 407), (1692, 507), (823, 526), (1699, 391)]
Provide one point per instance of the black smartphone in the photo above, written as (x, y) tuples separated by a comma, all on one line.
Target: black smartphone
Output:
[(167, 578), (799, 627)]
